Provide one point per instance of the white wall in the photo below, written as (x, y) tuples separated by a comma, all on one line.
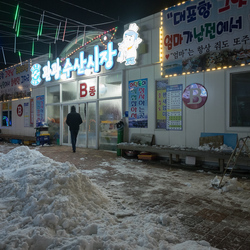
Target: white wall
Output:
[(213, 117), (18, 127)]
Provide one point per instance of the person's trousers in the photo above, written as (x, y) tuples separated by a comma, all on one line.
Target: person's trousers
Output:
[(74, 134)]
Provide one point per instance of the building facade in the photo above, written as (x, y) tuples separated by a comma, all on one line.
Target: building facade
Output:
[(155, 79)]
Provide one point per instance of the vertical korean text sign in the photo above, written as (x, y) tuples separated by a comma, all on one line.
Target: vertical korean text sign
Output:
[(138, 103), (39, 110), (174, 107)]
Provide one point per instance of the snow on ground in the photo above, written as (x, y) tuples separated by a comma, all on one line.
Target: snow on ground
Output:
[(45, 204)]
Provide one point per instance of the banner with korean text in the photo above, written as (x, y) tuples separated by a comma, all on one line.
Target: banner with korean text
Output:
[(205, 34), (15, 82), (40, 111), (138, 103)]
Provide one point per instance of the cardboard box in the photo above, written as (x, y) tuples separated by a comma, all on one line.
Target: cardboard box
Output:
[(146, 157)]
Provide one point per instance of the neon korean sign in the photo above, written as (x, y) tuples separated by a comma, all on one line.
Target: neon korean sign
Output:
[(128, 47), (81, 65)]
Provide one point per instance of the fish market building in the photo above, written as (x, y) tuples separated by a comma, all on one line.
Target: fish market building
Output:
[(179, 75)]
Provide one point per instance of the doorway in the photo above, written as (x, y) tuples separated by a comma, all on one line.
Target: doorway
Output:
[(87, 136)]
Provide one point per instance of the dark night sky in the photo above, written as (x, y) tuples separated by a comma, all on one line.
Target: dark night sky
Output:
[(108, 13)]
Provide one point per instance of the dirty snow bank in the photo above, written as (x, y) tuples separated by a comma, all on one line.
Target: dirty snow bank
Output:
[(45, 204)]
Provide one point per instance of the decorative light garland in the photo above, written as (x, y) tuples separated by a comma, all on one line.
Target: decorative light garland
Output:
[(93, 39)]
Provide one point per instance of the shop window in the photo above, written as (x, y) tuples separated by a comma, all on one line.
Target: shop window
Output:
[(161, 91), (69, 91), (240, 100), (53, 94), (53, 120), (110, 115), (110, 86), (6, 118), (6, 114)]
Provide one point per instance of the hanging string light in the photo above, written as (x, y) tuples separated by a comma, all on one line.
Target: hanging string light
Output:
[(77, 34), (49, 51), (33, 48), (38, 30), (41, 27), (84, 36), (19, 54), (93, 39), (56, 35), (64, 30), (18, 27), (16, 15), (58, 31), (3, 56), (15, 44)]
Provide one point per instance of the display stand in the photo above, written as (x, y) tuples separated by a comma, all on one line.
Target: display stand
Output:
[(42, 135)]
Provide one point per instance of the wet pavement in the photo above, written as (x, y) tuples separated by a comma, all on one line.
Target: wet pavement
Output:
[(222, 219)]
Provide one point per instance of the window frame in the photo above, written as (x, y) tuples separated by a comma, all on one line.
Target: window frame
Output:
[(228, 86), (9, 110)]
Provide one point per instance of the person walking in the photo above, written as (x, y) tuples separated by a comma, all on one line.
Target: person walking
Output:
[(73, 121)]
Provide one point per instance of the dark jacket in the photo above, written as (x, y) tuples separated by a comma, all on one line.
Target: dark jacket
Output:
[(73, 119)]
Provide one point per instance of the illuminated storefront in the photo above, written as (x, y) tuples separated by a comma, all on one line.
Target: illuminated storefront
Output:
[(186, 72)]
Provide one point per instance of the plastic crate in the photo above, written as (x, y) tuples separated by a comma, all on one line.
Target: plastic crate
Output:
[(15, 141), (43, 139)]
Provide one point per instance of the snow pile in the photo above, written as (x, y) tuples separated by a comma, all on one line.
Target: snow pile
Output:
[(45, 204), (227, 184), (209, 147), (42, 201)]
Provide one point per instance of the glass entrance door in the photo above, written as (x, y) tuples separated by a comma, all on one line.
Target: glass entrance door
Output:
[(91, 125), (87, 131), (82, 135), (65, 129)]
